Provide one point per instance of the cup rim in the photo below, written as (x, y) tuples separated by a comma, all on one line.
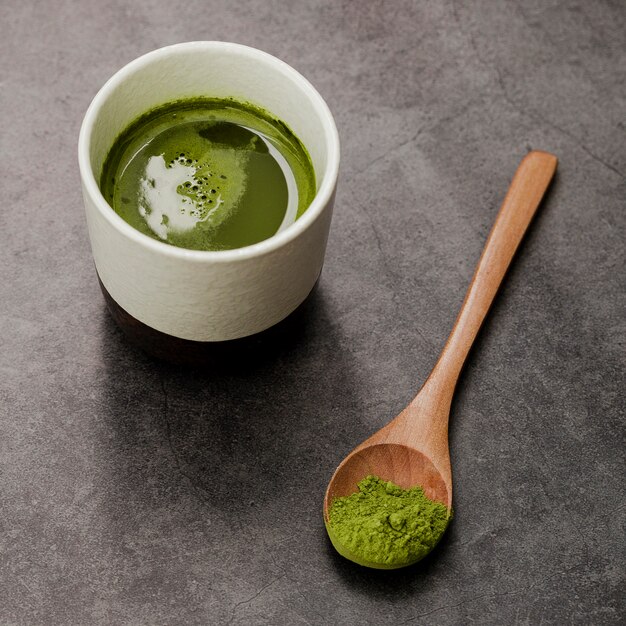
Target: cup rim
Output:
[(321, 199)]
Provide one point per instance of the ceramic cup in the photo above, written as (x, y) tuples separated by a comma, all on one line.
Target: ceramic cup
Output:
[(158, 290)]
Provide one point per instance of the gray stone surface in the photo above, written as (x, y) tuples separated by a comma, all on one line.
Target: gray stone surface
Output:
[(132, 492)]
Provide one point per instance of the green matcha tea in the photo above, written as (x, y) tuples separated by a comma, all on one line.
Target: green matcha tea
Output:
[(208, 174), (384, 526)]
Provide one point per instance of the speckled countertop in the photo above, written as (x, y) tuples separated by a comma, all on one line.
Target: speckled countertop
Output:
[(133, 492)]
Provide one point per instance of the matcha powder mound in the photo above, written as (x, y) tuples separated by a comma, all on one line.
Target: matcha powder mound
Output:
[(385, 526)]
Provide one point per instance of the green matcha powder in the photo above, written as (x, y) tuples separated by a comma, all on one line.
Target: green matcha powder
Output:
[(385, 526)]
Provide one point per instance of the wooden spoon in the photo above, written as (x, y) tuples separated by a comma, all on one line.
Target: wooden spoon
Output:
[(413, 448)]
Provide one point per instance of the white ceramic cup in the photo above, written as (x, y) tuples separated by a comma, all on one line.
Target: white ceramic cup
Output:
[(191, 294)]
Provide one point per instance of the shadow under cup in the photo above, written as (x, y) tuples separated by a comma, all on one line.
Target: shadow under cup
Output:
[(176, 303)]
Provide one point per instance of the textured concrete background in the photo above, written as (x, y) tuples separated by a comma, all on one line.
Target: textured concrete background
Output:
[(132, 492)]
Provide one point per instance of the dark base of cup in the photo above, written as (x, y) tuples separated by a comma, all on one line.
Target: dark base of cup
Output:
[(187, 352)]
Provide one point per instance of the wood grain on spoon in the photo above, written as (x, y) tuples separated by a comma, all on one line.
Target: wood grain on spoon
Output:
[(413, 448)]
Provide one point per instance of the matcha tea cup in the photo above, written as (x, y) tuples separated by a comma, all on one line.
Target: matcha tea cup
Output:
[(166, 297)]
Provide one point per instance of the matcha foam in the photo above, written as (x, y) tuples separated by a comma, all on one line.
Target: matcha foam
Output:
[(174, 197)]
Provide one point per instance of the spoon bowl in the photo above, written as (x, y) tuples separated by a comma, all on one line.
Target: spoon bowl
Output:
[(413, 449), (398, 463)]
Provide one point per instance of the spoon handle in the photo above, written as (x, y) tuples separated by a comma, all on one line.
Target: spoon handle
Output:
[(529, 184)]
